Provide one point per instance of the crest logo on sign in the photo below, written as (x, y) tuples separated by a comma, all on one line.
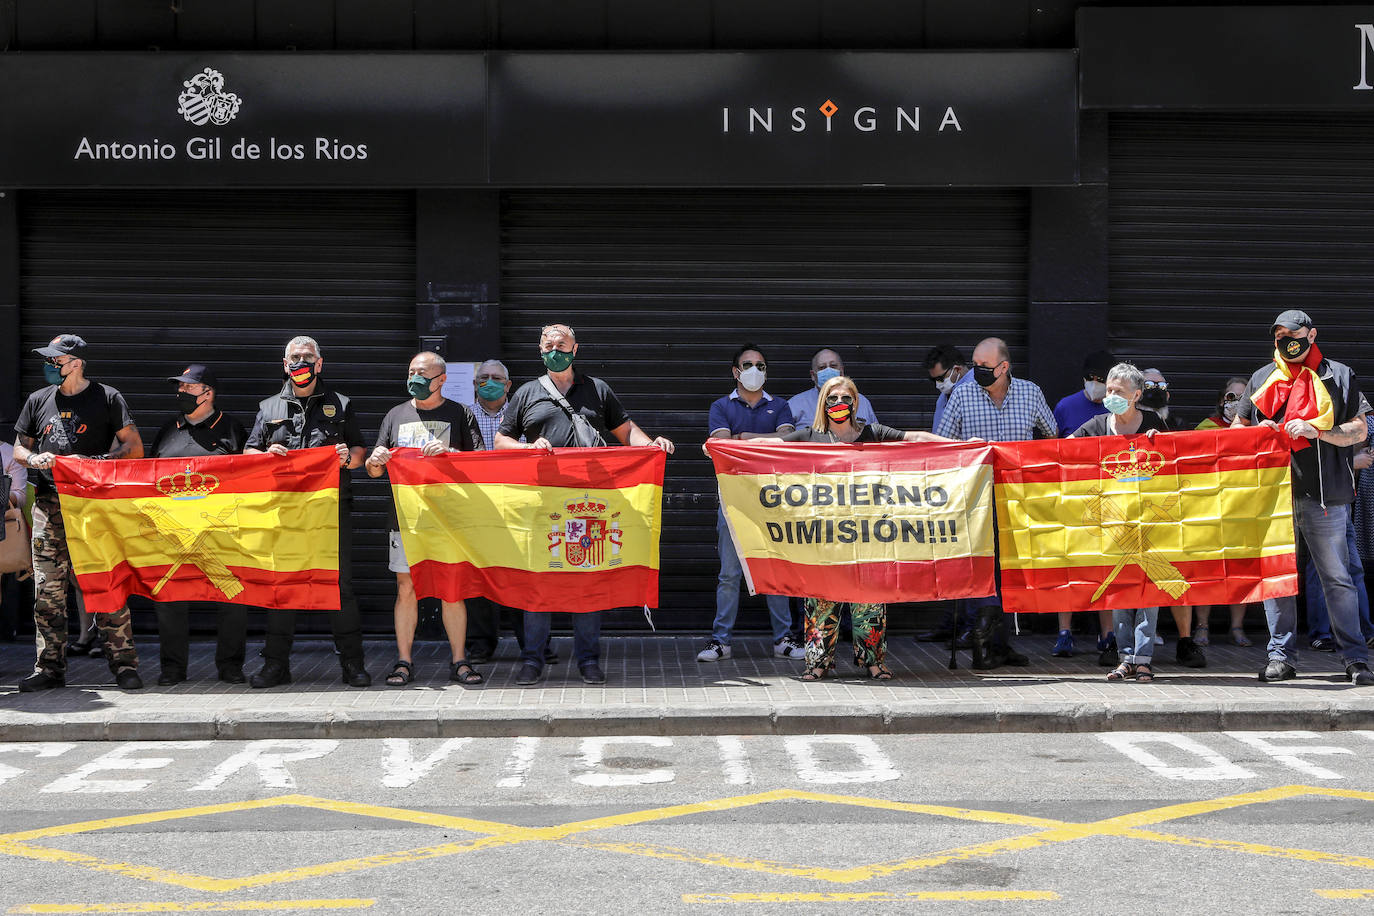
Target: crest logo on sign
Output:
[(585, 534), (203, 100)]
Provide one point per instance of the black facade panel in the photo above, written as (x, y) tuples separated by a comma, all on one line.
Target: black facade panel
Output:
[(135, 24), (977, 24), (303, 25), (851, 24), (442, 25), (155, 280), (549, 24), (44, 24), (216, 23), (1221, 221), (644, 24), (761, 24), (1052, 23), (662, 287), (373, 24)]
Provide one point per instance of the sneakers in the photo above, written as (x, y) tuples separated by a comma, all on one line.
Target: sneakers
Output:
[(713, 652), (1063, 646), (592, 673), (529, 674), (42, 680), (1359, 674), (787, 647), (1188, 654), (1323, 644), (1107, 655), (1278, 671)]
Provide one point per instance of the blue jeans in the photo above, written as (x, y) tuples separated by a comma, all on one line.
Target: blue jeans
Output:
[(586, 637), (1323, 531), (1135, 633), (1318, 619), (727, 591)]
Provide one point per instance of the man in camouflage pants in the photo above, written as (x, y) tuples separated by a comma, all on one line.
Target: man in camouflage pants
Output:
[(77, 417)]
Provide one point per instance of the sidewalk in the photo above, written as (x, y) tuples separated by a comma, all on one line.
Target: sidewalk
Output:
[(656, 687)]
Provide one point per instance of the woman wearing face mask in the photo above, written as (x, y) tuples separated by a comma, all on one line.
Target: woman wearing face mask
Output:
[(1228, 401), (836, 422), (1135, 627)]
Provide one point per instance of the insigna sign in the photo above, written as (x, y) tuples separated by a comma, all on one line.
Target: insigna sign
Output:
[(865, 118)]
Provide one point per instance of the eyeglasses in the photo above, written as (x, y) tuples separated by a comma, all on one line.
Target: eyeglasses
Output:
[(492, 378), (1095, 378), (761, 365), (839, 399), (1230, 397), (53, 361), (937, 379), (308, 360), (1162, 386)]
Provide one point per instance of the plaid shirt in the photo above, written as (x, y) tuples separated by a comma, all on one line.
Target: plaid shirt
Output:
[(488, 423), (971, 413)]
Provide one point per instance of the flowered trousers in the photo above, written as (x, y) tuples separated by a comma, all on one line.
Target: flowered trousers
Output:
[(823, 632)]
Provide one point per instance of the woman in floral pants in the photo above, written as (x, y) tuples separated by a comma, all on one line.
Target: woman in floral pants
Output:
[(823, 632)]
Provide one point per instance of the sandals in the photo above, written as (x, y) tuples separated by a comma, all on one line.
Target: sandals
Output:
[(1202, 636), (461, 672), (882, 674), (816, 674), (1238, 637), (1144, 674), (402, 673), (1122, 672)]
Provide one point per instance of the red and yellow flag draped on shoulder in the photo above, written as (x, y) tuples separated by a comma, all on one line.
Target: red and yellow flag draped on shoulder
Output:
[(573, 530), (261, 530), (1128, 521)]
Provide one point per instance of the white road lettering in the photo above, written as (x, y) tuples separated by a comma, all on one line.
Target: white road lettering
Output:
[(1292, 754), (873, 763), (119, 759), (518, 764), (266, 757), (38, 749), (1217, 768), (401, 770), (594, 752)]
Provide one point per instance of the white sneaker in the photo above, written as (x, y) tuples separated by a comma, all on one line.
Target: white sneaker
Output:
[(787, 648), (713, 652)]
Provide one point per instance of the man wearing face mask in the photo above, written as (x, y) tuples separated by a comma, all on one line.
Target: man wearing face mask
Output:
[(306, 414), (1316, 406), (1156, 397), (436, 426), (72, 416), (566, 409), (996, 408), (947, 369), (825, 365), (199, 429), (748, 412), (1081, 406)]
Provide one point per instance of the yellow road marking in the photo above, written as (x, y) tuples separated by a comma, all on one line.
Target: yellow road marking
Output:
[(204, 906), (1352, 894), (869, 897)]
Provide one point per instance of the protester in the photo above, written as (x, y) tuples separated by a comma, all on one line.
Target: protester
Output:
[(1223, 414), (998, 408), (491, 389), (436, 426), (1323, 414), (566, 409), (199, 428), (836, 420), (747, 412), (1155, 397), (72, 416), (306, 413), (1363, 509), (17, 495), (825, 365), (1135, 627), (947, 368)]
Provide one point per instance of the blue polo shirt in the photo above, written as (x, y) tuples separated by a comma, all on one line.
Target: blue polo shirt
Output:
[(765, 417), (1075, 410), (943, 400)]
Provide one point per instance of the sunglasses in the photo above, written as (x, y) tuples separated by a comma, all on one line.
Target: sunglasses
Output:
[(839, 399), (1162, 386), (937, 379), (750, 365), (1230, 397), (53, 361)]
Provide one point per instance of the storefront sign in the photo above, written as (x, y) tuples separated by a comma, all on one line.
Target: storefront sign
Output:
[(1273, 57), (406, 120), (784, 118)]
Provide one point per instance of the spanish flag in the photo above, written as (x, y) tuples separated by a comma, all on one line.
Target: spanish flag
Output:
[(870, 522), (1128, 521), (572, 530), (261, 530)]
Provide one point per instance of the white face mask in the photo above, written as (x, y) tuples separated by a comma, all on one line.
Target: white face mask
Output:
[(752, 378), (1095, 391), (1228, 411), (945, 385)]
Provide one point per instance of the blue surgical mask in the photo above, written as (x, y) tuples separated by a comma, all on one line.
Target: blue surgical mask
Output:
[(1116, 404), (826, 375), (52, 374)]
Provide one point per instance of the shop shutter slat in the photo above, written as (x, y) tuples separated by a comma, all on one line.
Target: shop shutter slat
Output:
[(663, 286)]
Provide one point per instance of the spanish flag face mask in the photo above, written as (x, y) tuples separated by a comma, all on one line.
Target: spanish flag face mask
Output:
[(302, 373)]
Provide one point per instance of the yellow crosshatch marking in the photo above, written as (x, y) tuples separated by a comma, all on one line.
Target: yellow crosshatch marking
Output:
[(1039, 832)]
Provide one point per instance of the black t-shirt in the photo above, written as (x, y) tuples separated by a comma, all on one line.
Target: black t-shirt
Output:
[(1335, 483), (532, 412), (1097, 426), (217, 434), (78, 424), (406, 427), (868, 432)]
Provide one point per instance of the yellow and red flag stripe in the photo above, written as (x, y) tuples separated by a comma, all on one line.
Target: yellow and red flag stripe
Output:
[(1127, 521), (574, 529), (260, 530), (865, 522)]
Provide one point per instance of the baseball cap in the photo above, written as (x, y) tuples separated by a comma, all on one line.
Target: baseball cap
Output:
[(64, 345), (1293, 319), (196, 374), (1098, 364)]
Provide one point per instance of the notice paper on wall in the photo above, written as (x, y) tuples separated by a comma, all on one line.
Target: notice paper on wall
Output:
[(458, 385)]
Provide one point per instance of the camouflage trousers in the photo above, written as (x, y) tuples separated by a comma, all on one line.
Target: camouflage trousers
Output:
[(52, 567), (823, 632)]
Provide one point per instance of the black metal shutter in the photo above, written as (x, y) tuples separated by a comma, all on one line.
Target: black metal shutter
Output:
[(663, 286), (1221, 221), (157, 279)]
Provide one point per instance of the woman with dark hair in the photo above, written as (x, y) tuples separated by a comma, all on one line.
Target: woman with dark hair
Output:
[(1228, 402)]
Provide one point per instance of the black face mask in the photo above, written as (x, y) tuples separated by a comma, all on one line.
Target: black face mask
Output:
[(1294, 348), (985, 376), (1154, 398), (187, 402)]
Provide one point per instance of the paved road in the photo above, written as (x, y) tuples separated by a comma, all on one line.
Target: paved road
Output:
[(1264, 822)]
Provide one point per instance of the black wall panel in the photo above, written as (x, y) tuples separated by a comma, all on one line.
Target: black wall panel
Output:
[(976, 24), (762, 24), (461, 25), (135, 24), (55, 24), (551, 24), (850, 23), (216, 24), (373, 24), (306, 25), (640, 24)]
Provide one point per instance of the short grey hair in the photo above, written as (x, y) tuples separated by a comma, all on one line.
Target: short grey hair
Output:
[(563, 329), (493, 362), (302, 341), (1126, 372)]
